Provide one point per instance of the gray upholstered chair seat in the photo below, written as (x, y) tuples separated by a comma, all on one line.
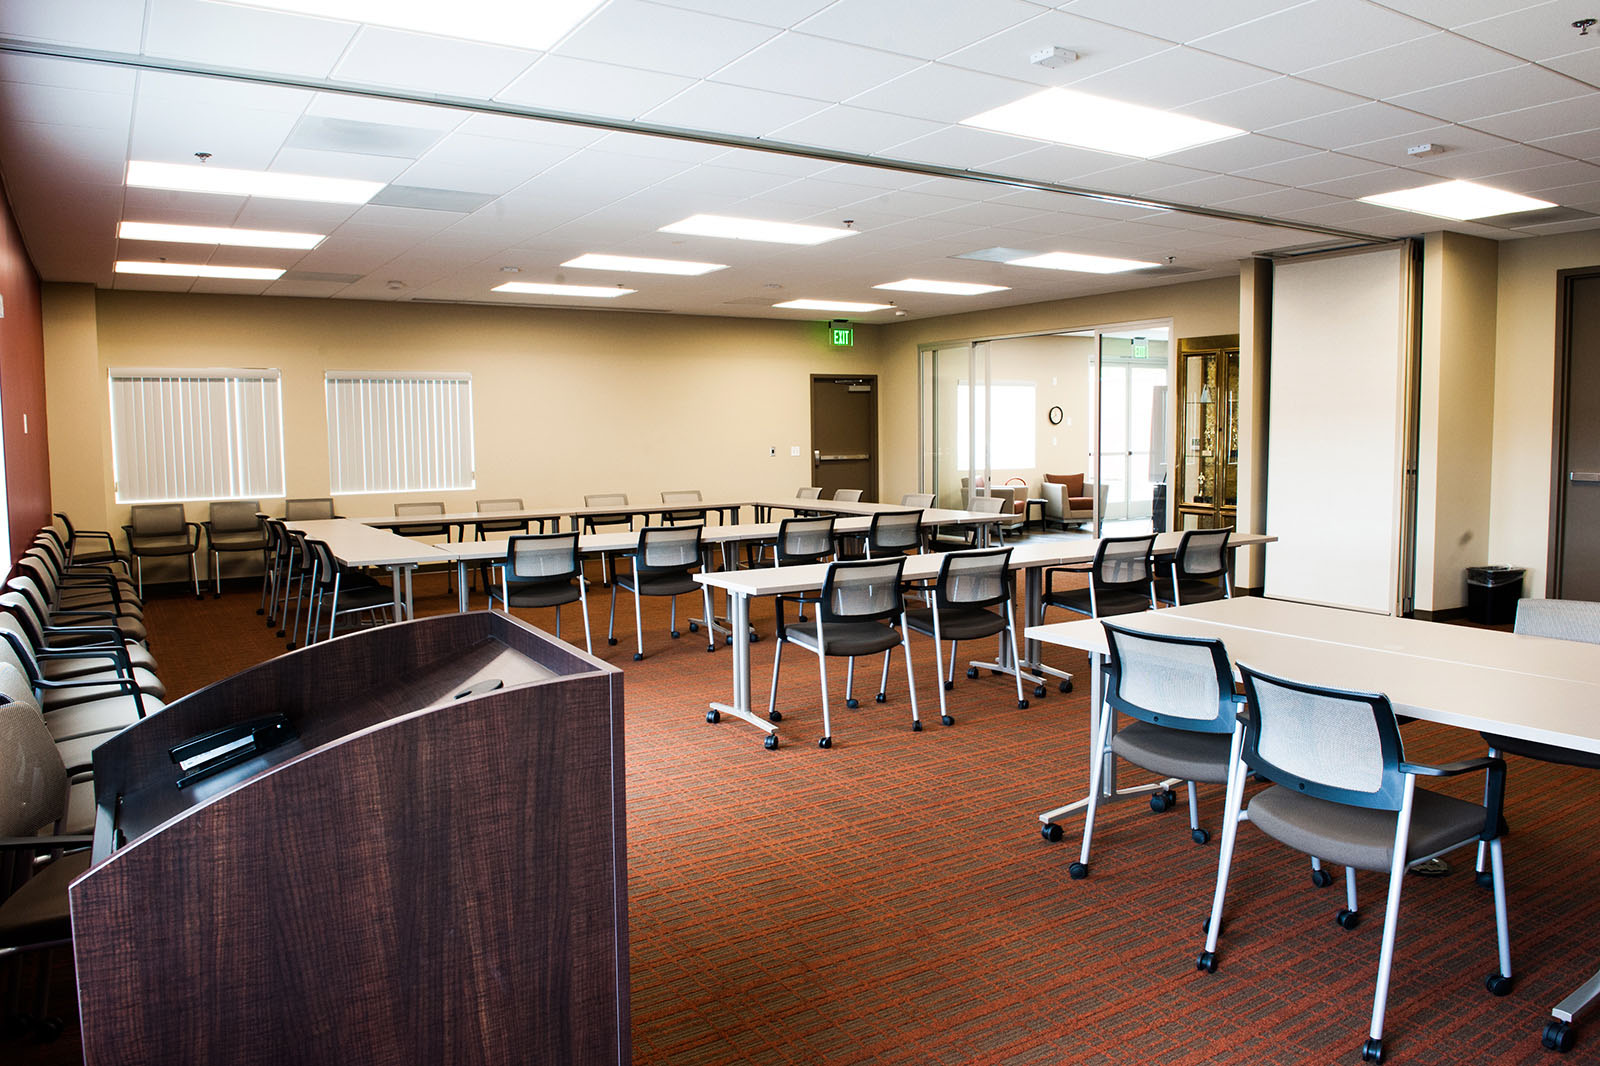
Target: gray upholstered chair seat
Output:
[(242, 541), (100, 717), (1174, 752), (541, 593), (846, 638), (165, 544), (1190, 590), (675, 584), (1107, 602), (37, 912), (74, 667), (957, 624), (1363, 837)]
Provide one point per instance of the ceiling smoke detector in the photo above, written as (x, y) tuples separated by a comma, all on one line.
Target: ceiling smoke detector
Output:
[(1053, 58)]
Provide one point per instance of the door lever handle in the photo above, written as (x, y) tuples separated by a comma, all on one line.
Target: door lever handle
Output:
[(1583, 475)]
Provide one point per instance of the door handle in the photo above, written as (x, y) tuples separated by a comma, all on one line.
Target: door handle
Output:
[(816, 456), (836, 458), (1583, 475)]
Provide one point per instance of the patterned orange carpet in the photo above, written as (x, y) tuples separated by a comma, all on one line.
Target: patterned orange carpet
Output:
[(891, 900)]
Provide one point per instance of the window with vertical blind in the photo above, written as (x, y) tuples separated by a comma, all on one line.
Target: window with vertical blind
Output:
[(206, 434), (394, 432)]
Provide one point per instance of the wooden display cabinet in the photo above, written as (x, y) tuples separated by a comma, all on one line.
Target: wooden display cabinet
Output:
[(423, 860), (1207, 460)]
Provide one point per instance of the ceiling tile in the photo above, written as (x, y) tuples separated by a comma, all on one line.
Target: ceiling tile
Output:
[(936, 28), (85, 153), (1491, 94), (803, 65), (1310, 169), (1584, 66), (1410, 67), (961, 147), (109, 25), (1544, 120), (1581, 145), (1239, 153), (1539, 32), (1177, 20), (339, 164), (556, 83), (1355, 125), (216, 93), (1271, 103), (1450, 138), (1100, 48), (729, 109), (1173, 78), (854, 129), (1059, 163), (669, 40), (1485, 164), (172, 130), (441, 65), (385, 112), (1450, 13), (1313, 34), (783, 13), (245, 38), (66, 73), (941, 94)]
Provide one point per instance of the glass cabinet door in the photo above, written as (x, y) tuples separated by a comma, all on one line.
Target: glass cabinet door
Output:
[(1207, 466)]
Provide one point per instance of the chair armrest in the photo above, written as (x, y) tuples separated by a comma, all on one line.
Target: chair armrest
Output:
[(1051, 572), (73, 840), (1451, 769), (1054, 499), (1494, 787)]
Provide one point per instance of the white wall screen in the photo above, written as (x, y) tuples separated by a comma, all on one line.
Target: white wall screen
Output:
[(399, 432), (1341, 343), (196, 435)]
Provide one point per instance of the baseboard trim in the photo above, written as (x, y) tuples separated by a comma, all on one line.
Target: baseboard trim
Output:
[(1449, 614)]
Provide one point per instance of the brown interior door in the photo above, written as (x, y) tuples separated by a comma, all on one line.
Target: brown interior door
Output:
[(844, 434), (1575, 501)]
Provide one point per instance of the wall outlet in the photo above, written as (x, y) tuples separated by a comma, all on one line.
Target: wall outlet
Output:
[(772, 450), (794, 451)]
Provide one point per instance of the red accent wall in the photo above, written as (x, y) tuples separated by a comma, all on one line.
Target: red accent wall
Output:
[(22, 388)]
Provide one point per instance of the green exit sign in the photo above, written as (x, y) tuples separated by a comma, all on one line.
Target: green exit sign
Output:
[(842, 335)]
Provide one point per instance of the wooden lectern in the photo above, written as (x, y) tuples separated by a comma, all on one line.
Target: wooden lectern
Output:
[(407, 845)]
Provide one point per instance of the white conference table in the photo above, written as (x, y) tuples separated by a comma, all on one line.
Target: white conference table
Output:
[(1032, 558), (1533, 688), (555, 514)]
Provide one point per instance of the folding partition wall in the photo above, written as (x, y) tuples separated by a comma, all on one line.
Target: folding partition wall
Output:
[(1341, 436)]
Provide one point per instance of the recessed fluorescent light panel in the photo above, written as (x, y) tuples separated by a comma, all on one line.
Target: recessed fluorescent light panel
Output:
[(755, 229), (832, 305), (634, 264), (230, 235), (199, 270), (270, 185), (1460, 200), (1069, 117), (1084, 264), (941, 288), (537, 288), (518, 23)]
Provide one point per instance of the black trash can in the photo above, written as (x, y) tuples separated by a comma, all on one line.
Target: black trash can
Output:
[(1492, 594)]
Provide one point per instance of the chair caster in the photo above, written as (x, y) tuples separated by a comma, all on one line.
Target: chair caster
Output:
[(852, 703), (774, 716), (713, 716), (694, 627), (1498, 983), (1040, 691), (261, 610), (728, 640), (825, 742), (282, 632), (1065, 686), (1163, 801), (1485, 879), (638, 655), (1557, 1036), (1050, 831), (1321, 878), (676, 634), (916, 726), (1347, 918), (771, 742), (1207, 962), (882, 697), (1022, 705), (1205, 926), (1199, 836), (711, 648), (972, 672), (948, 685), (1372, 1050), (947, 720), (611, 641), (1078, 871), (755, 638), (291, 645)]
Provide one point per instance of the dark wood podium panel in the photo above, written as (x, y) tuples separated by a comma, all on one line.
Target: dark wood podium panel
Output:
[(416, 878)]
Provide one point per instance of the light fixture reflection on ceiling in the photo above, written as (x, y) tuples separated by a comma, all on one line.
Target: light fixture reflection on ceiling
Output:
[(1067, 116), (1084, 264), (539, 288), (229, 235), (941, 288), (199, 270), (1460, 200), (755, 229), (269, 184), (638, 265), (518, 23), (832, 305)]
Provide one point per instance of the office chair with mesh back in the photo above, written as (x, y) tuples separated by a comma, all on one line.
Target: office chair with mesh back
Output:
[(1342, 790), (1179, 691), (970, 535), (663, 565), (345, 592), (419, 509), (847, 495), (971, 599), (919, 500), (593, 523), (161, 530), (516, 526), (1121, 581), (308, 509), (857, 614), (234, 526), (544, 571), (1199, 569), (690, 513), (83, 548), (801, 541)]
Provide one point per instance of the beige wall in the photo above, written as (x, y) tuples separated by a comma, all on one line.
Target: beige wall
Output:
[(1197, 309), (1524, 375), (565, 402)]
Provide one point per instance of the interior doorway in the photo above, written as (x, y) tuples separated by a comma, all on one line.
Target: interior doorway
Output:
[(1574, 564), (844, 434)]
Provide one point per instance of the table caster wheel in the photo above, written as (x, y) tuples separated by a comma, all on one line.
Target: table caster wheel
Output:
[(1206, 962), (676, 634), (1163, 801), (825, 742), (1321, 878), (1498, 983), (1050, 831), (1040, 691), (771, 743), (1065, 686), (1372, 1050), (972, 672), (1078, 871), (1199, 836), (1347, 919), (948, 685), (713, 716), (774, 716), (947, 720), (1557, 1036), (694, 627), (611, 641)]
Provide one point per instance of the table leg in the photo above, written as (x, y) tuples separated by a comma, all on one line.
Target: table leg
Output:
[(461, 586), (739, 622)]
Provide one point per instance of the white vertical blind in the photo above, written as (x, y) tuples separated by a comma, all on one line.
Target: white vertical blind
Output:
[(399, 432), (196, 434)]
